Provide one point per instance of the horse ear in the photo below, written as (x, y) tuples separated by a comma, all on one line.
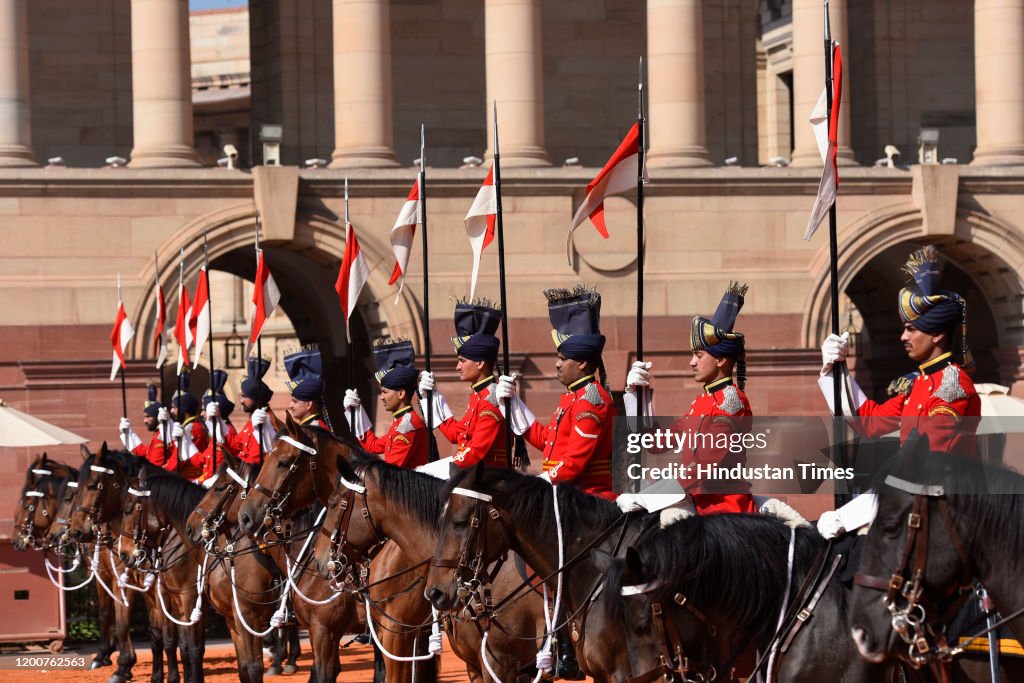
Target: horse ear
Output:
[(84, 450), (602, 560), (142, 477), (290, 425), (634, 565), (102, 453)]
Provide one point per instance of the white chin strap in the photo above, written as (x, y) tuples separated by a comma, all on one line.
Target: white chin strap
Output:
[(301, 446)]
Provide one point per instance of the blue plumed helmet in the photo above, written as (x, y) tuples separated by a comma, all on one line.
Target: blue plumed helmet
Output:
[(476, 322), (929, 308), (395, 360), (253, 386), (182, 399), (717, 337), (305, 373), (575, 315), (152, 406), (218, 380)]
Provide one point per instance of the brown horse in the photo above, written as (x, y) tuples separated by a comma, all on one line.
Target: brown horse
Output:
[(37, 506), (301, 468), (378, 501), (328, 616), (489, 512), (102, 493)]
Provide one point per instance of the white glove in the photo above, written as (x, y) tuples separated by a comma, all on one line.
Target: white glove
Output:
[(427, 383), (259, 416), (125, 425), (212, 409), (829, 525), (351, 399), (834, 350), (522, 417), (163, 415), (441, 409), (132, 440), (362, 421), (177, 431), (629, 502), (506, 387), (638, 376)]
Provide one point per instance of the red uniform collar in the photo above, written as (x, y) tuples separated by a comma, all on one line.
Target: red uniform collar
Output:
[(936, 364), (717, 385)]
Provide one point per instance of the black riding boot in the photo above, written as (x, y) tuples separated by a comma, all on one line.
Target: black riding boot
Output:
[(566, 666)]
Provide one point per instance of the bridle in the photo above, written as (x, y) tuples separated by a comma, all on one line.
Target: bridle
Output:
[(29, 503), (338, 560), (92, 512), (904, 588), (470, 568), (274, 511), (140, 535), (673, 664), (215, 519)]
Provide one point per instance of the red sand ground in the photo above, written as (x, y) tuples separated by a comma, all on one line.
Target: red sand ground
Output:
[(356, 667)]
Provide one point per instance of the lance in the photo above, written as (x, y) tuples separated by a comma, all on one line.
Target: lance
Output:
[(209, 310), (422, 180), (259, 352), (509, 456), (641, 393), (163, 381), (351, 355), (183, 352), (838, 369), (124, 390)]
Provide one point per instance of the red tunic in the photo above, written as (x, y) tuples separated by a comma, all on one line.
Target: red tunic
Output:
[(577, 442), (406, 443), (246, 444), (197, 430), (937, 402), (722, 410), (156, 451), (480, 434), (206, 461)]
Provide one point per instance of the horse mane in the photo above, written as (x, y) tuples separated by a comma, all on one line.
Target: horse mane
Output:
[(127, 462), (987, 499), (175, 496), (528, 501), (731, 565), (413, 491)]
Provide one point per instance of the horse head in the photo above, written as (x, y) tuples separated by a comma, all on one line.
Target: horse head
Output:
[(472, 535), (141, 530), (218, 509), (914, 562), (300, 468), (34, 513), (98, 500)]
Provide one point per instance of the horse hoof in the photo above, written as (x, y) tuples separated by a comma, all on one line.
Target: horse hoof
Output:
[(98, 663), (118, 678), (274, 671), (290, 669)]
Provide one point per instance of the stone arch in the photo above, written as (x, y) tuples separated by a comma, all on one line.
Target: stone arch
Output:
[(988, 251), (305, 267)]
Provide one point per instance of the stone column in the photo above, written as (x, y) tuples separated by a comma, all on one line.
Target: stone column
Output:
[(675, 50), (512, 37), (999, 81), (363, 134), (161, 85), (809, 77), (15, 114)]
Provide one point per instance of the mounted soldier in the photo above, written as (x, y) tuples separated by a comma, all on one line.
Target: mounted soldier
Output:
[(306, 384), (479, 436), (189, 433), (254, 398), (406, 442), (155, 418)]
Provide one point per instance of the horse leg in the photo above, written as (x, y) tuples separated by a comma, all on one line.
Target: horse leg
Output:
[(195, 637), (105, 619), (250, 659), (326, 663), (156, 644), (126, 652), (294, 647), (278, 651), (426, 670), (170, 643)]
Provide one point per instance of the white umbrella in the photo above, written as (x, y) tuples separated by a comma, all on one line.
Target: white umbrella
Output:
[(20, 430), (996, 403)]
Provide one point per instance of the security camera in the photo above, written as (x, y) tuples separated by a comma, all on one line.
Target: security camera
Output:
[(732, 161), (779, 162), (316, 163), (116, 162), (572, 161), (55, 161), (230, 151), (471, 161), (892, 155)]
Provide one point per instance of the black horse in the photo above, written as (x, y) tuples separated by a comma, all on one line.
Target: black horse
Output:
[(942, 522), (705, 594)]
